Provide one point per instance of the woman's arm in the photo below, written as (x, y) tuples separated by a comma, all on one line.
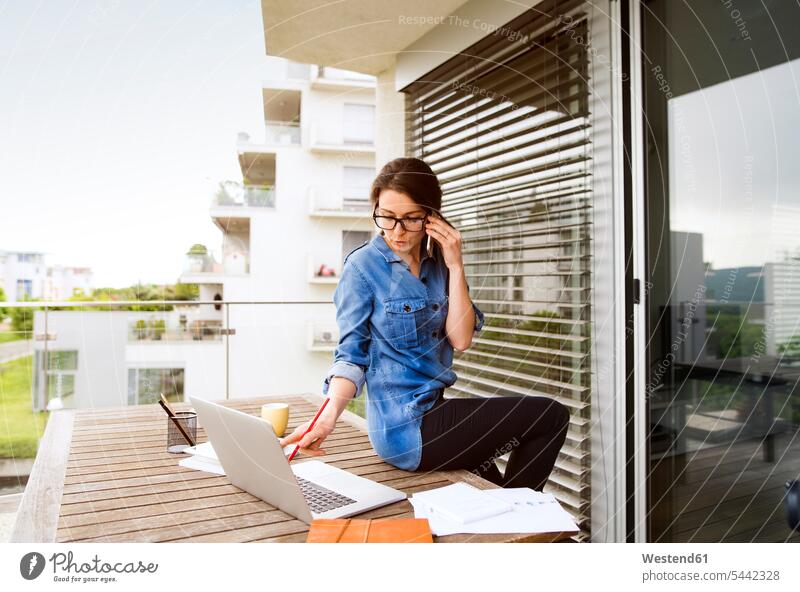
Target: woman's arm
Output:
[(463, 318), (340, 392)]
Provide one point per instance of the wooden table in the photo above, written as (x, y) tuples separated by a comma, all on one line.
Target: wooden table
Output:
[(103, 475)]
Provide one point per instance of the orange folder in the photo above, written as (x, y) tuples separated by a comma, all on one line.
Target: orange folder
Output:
[(388, 530)]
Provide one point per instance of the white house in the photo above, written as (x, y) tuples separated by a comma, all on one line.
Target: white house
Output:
[(110, 358), (25, 274)]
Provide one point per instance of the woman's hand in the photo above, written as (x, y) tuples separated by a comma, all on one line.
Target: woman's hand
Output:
[(311, 442), (449, 240)]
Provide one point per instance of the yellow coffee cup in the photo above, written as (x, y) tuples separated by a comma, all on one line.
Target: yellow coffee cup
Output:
[(276, 414)]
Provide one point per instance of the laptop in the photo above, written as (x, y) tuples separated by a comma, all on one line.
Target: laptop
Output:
[(254, 461)]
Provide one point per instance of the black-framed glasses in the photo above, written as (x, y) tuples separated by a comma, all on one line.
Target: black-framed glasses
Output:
[(409, 224)]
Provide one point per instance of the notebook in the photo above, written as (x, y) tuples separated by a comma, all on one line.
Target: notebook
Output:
[(385, 530)]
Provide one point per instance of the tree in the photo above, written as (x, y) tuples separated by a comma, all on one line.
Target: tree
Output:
[(227, 193), (3, 310), (791, 348), (22, 321)]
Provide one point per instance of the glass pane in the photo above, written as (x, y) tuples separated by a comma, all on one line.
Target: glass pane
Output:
[(724, 270), (154, 381), (60, 385), (132, 386), (62, 360)]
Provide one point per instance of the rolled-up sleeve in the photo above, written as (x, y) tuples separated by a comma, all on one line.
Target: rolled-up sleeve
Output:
[(353, 299)]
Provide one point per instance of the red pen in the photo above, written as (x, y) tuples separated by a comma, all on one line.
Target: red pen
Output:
[(310, 427)]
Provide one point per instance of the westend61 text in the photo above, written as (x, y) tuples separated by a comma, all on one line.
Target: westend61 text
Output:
[(690, 558)]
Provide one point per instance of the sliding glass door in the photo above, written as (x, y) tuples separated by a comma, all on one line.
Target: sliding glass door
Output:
[(721, 93)]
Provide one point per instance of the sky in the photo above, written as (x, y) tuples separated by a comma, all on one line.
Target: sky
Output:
[(118, 119), (734, 175)]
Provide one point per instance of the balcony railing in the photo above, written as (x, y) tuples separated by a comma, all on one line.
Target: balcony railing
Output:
[(106, 354), (174, 328), (297, 70), (356, 138), (256, 196), (282, 133), (323, 204), (200, 264)]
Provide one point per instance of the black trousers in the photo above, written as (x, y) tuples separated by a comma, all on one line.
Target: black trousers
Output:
[(471, 433)]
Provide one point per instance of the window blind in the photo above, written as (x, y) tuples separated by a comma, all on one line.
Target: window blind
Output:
[(505, 126)]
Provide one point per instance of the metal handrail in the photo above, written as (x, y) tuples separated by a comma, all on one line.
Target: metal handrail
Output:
[(226, 331), (90, 303)]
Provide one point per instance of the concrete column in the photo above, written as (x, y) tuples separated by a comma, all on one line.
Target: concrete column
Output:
[(389, 119)]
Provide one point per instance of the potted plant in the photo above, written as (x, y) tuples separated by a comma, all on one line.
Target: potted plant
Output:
[(159, 327), (140, 329), (227, 192), (197, 258)]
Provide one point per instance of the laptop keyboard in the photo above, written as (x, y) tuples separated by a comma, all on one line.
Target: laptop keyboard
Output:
[(320, 499)]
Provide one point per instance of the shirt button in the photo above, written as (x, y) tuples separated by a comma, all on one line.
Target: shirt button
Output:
[(435, 307), (424, 280), (435, 333), (406, 307)]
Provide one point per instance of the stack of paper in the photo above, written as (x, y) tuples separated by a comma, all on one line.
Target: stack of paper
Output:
[(452, 510), (204, 458), (462, 503)]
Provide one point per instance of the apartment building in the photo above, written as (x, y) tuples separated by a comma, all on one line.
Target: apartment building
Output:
[(301, 207)]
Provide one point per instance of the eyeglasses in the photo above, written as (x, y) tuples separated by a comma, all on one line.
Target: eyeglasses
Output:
[(408, 224)]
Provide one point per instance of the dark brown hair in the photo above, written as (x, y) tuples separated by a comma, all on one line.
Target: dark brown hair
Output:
[(415, 178)]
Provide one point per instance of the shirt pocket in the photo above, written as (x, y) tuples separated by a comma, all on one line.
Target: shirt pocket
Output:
[(404, 316)]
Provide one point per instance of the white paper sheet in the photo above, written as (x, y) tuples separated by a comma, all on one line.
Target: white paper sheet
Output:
[(200, 464), (462, 503), (205, 451), (534, 512), (204, 458)]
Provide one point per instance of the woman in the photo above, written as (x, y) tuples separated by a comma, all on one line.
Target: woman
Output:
[(401, 309)]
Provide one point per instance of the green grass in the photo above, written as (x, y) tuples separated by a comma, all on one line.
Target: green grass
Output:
[(20, 427), (5, 337)]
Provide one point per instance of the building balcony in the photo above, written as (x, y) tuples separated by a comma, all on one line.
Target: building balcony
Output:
[(325, 206), (322, 270), (258, 167), (323, 336), (297, 70), (281, 116), (327, 78), (233, 200), (206, 270), (281, 133), (327, 138)]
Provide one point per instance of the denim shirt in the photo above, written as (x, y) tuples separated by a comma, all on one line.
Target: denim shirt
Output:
[(392, 336)]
